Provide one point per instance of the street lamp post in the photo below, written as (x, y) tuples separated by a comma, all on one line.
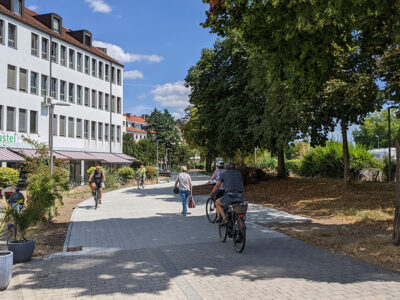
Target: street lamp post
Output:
[(51, 104), (157, 161), (255, 156)]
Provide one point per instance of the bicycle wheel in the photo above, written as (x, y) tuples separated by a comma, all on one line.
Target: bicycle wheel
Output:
[(211, 210), (239, 235), (96, 199), (223, 231)]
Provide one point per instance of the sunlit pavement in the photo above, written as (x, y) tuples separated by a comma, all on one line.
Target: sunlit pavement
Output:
[(137, 245)]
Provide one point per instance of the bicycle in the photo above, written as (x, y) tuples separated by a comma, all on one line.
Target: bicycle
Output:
[(211, 209), (140, 182), (122, 181), (96, 197), (235, 227)]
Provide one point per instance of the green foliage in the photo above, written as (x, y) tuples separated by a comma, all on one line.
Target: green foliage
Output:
[(3, 224), (126, 173), (293, 166), (44, 190), (393, 165), (8, 177), (375, 127), (24, 219), (297, 150), (266, 161), (111, 180), (151, 172), (92, 169), (328, 161), (144, 150), (162, 126)]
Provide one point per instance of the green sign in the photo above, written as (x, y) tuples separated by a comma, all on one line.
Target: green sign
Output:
[(8, 138)]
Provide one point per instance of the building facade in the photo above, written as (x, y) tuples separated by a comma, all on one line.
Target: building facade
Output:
[(134, 125), (40, 59)]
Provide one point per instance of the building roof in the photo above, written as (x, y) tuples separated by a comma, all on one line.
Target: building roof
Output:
[(136, 119), (136, 130), (9, 156), (29, 19)]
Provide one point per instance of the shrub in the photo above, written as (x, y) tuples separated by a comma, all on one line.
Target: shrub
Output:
[(267, 162), (126, 173), (293, 166), (328, 161), (8, 177), (151, 172), (111, 180), (92, 169)]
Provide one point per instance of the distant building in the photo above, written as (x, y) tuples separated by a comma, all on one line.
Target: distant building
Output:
[(134, 125), (381, 153)]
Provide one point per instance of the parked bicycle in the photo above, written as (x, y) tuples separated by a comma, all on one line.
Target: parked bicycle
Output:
[(235, 227)]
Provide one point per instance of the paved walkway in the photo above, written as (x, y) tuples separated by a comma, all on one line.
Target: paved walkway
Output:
[(137, 245)]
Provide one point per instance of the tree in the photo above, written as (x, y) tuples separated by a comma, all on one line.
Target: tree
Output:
[(162, 126), (144, 150), (375, 127)]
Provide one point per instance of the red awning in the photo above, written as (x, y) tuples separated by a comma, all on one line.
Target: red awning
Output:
[(77, 155), (110, 158), (127, 157), (32, 153), (9, 156)]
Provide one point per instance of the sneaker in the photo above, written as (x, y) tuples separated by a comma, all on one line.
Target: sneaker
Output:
[(99, 201), (183, 214)]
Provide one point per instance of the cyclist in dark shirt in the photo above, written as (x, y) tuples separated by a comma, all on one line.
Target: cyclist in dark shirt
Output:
[(97, 178), (233, 184)]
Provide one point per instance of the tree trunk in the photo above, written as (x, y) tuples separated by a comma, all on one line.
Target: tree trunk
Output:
[(209, 160), (346, 155), (281, 164), (396, 225)]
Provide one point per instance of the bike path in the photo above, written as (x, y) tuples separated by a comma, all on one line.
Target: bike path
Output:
[(138, 246)]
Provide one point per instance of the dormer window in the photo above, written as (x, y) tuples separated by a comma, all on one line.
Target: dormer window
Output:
[(56, 25), (17, 7), (87, 40)]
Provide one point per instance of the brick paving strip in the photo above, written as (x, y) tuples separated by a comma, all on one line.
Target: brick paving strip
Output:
[(137, 245)]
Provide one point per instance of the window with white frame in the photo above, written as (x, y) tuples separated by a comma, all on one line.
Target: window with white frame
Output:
[(1, 117), (23, 80), (57, 25), (33, 121), (94, 99), (11, 77), (100, 131), (107, 72), (54, 125), (118, 133), (119, 105), (94, 65), (62, 90), (34, 44), (22, 122), (53, 88), (87, 97), (79, 94), (113, 104), (44, 85), (71, 127), (93, 130), (2, 32), (62, 125), (87, 64), (86, 129), (112, 133), (100, 106), (107, 103), (12, 36), (100, 70), (45, 48), (17, 7), (54, 52), (79, 62), (71, 59), (113, 75), (34, 83), (79, 128), (71, 93), (119, 79), (63, 56), (106, 130), (10, 118)]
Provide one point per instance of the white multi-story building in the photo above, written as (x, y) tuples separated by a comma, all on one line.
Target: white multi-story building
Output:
[(134, 125), (39, 58)]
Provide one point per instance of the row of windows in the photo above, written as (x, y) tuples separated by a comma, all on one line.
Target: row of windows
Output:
[(27, 120), (91, 130), (62, 90), (59, 54)]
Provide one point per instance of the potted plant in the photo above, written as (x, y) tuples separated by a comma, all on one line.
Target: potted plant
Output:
[(6, 260), (22, 247)]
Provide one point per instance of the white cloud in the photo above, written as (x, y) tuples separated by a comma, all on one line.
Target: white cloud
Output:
[(172, 95), (99, 6), (119, 54), (134, 74), (33, 7)]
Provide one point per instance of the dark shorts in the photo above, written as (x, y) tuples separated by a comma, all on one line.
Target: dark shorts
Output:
[(219, 194), (232, 198), (98, 184)]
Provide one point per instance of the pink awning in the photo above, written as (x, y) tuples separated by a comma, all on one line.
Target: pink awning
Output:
[(127, 157), (32, 153), (110, 158), (77, 155), (9, 156)]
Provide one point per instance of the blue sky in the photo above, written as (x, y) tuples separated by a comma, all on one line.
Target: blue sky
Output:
[(158, 41)]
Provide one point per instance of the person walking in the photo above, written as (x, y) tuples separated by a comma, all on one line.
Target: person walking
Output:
[(184, 182)]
